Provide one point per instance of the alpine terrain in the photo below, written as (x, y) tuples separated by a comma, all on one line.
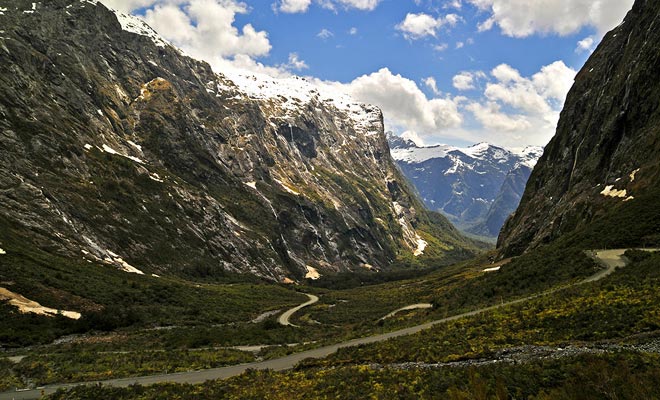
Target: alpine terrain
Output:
[(167, 232), (477, 188), (117, 149)]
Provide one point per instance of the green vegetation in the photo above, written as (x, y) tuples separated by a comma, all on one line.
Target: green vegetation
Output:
[(624, 304), (110, 299), (78, 366), (172, 324), (621, 309), (615, 376)]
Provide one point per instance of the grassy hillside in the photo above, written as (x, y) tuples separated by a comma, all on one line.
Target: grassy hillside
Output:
[(586, 342)]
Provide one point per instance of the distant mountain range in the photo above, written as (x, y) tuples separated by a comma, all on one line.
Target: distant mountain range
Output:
[(477, 188)]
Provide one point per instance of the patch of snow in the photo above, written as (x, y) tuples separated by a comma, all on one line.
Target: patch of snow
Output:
[(88, 146), (26, 305), (137, 146), (286, 187), (530, 155), (253, 185), (415, 155), (154, 177), (145, 88), (128, 267), (458, 165), (494, 269), (99, 112), (611, 192), (155, 276), (123, 265), (312, 273), (477, 151), (110, 150), (2, 252), (421, 246), (633, 175), (292, 93), (133, 24)]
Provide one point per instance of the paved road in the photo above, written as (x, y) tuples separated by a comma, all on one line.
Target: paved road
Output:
[(408, 308), (284, 318), (610, 258)]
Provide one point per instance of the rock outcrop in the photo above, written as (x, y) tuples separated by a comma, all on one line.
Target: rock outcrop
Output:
[(604, 157)]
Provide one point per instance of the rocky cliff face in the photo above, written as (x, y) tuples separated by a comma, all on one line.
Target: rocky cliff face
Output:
[(477, 188), (116, 148), (604, 157)]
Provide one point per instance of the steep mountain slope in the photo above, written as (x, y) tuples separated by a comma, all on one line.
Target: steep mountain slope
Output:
[(506, 201), (477, 187), (116, 148), (603, 162)]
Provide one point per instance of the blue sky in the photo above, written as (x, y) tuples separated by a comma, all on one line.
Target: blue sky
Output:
[(378, 43), (499, 69)]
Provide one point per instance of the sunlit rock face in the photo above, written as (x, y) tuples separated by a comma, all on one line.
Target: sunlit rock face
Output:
[(117, 148)]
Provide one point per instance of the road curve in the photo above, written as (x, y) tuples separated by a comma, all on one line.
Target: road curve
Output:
[(612, 259), (284, 318), (408, 308)]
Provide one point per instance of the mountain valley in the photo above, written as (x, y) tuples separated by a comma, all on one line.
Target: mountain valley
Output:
[(168, 231)]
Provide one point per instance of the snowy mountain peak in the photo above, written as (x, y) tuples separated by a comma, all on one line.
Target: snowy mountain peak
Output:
[(397, 142), (530, 155), (477, 187), (133, 24)]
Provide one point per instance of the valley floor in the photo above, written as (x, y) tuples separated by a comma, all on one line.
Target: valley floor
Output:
[(471, 356)]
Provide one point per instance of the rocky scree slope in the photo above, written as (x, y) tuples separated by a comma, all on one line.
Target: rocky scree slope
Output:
[(604, 159), (477, 188), (117, 148)]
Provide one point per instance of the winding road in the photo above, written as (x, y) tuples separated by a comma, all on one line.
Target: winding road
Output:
[(284, 318), (408, 308), (611, 259)]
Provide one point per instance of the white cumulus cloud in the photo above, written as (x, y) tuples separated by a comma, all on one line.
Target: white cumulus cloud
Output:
[(585, 45), (522, 18), (417, 26), (295, 63), (432, 84), (294, 6), (492, 118), (301, 6), (463, 81), (520, 108), (367, 5), (403, 102), (205, 29)]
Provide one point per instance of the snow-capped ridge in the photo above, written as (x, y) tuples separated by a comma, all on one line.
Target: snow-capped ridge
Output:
[(529, 155), (292, 93), (133, 24)]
